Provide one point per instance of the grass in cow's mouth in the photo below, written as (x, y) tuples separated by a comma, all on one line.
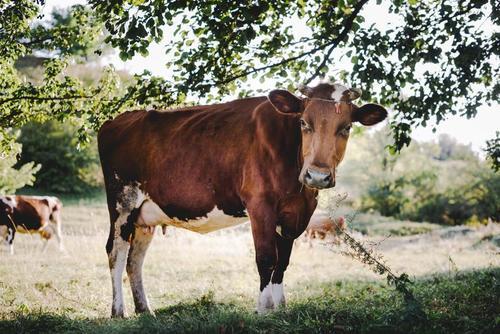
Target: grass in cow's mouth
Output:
[(466, 302)]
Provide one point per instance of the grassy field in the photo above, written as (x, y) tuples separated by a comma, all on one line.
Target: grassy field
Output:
[(208, 283)]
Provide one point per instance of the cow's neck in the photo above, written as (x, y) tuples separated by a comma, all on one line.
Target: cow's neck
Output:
[(280, 136)]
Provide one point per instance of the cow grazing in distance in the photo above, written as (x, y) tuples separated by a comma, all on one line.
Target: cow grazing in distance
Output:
[(322, 227), (204, 168), (30, 214)]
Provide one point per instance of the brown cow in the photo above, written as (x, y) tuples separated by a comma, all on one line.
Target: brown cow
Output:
[(322, 226), (265, 156), (30, 214)]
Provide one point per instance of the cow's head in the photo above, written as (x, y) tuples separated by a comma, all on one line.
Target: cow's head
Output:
[(325, 117)]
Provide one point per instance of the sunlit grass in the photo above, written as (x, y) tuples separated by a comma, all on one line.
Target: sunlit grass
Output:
[(183, 268)]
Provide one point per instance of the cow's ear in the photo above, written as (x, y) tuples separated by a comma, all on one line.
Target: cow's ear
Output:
[(369, 114), (285, 102)]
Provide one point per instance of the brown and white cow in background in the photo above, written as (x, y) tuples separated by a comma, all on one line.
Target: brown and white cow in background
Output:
[(30, 214), (265, 156), (322, 227)]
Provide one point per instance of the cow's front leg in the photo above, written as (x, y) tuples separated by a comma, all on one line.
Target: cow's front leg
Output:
[(263, 229), (284, 247), (140, 243)]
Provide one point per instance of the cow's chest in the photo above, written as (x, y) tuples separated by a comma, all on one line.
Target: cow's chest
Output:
[(151, 215)]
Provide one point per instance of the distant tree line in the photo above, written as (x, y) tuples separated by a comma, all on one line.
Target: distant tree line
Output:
[(444, 182)]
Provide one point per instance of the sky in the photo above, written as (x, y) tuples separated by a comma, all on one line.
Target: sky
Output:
[(472, 132)]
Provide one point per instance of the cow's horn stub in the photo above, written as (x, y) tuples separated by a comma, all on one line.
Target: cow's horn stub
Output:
[(354, 93), (306, 90)]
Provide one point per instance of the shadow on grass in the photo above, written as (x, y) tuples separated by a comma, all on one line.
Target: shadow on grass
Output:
[(465, 302)]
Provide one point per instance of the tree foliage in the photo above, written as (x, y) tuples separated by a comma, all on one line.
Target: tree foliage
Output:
[(61, 40), (12, 178), (435, 59), (443, 182), (64, 167)]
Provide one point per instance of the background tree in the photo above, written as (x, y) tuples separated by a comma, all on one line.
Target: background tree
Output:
[(436, 59), (57, 42), (419, 184), (12, 178)]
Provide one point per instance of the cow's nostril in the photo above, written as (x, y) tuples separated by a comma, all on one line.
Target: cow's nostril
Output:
[(318, 179)]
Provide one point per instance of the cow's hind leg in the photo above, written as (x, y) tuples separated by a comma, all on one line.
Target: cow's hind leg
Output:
[(118, 245), (117, 258), (56, 227), (140, 243)]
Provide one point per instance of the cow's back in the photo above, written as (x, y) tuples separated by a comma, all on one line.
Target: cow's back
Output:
[(190, 156), (31, 214)]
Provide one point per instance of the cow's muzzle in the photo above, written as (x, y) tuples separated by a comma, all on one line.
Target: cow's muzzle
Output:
[(319, 180)]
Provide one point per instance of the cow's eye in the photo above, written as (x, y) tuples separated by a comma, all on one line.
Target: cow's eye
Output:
[(345, 131), (304, 126)]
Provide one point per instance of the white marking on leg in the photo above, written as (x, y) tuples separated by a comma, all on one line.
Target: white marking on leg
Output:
[(117, 262), (265, 302), (118, 255), (10, 236), (278, 294), (135, 261), (11, 249)]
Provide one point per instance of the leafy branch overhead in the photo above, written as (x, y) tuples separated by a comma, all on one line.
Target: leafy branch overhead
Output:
[(438, 59), (432, 59), (66, 38)]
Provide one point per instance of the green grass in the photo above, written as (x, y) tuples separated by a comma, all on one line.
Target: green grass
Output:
[(462, 303), (209, 283)]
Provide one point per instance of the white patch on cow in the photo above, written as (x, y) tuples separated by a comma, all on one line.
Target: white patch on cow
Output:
[(140, 244), (279, 230), (131, 198), (7, 234), (278, 294), (51, 199), (9, 200), (117, 262), (338, 92), (265, 302), (118, 255), (10, 236), (152, 215)]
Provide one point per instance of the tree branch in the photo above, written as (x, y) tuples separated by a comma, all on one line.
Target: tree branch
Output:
[(334, 43), (338, 39), (38, 98)]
